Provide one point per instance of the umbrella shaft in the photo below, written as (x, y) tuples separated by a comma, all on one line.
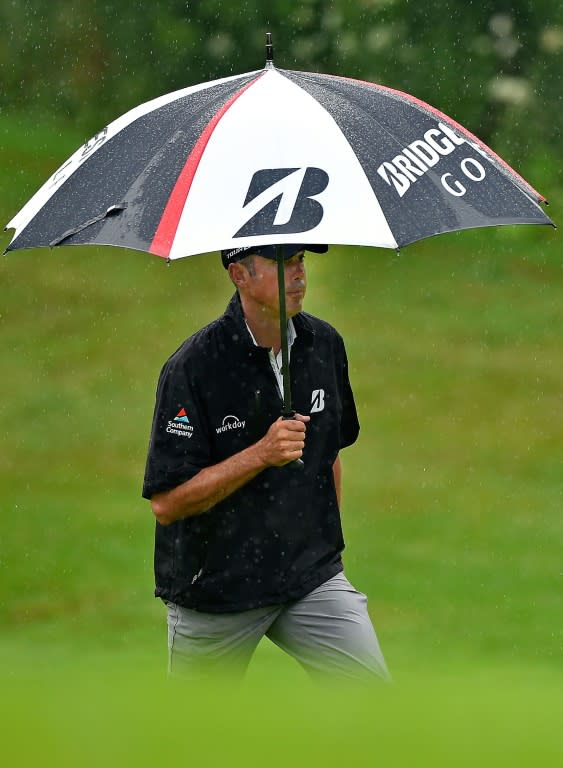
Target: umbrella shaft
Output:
[(287, 410)]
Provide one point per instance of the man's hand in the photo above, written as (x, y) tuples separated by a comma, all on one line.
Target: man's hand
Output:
[(284, 441)]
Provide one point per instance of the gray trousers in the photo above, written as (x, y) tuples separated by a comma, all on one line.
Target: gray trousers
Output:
[(329, 632)]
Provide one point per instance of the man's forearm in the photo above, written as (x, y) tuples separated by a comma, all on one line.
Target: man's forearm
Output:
[(337, 472), (208, 487), (283, 442)]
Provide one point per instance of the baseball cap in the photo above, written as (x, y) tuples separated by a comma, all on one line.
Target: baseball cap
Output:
[(268, 251)]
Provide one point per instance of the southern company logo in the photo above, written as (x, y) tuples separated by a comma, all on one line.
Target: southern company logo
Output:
[(181, 425)]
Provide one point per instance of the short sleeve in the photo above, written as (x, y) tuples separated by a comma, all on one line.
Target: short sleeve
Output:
[(179, 444), (349, 424)]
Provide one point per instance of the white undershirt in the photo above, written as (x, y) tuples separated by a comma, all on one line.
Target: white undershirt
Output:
[(276, 360)]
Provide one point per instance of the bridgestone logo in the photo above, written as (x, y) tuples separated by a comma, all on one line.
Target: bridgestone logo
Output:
[(280, 201), (177, 428), (419, 156), (317, 400)]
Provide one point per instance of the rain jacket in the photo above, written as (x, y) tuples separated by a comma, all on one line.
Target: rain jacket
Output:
[(279, 536)]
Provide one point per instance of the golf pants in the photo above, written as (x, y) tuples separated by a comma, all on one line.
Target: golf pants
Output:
[(329, 632)]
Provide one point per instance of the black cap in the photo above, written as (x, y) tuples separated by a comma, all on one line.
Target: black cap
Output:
[(268, 251)]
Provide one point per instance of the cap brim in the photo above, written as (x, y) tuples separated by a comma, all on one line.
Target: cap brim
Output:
[(269, 251), (289, 249)]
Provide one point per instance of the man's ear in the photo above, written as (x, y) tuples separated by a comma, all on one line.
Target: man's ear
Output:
[(238, 273)]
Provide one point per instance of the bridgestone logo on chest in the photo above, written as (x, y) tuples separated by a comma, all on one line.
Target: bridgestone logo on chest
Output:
[(317, 400)]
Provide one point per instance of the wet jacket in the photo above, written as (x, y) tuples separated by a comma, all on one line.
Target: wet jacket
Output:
[(279, 536)]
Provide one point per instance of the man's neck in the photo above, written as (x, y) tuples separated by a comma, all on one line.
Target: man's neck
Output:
[(265, 326)]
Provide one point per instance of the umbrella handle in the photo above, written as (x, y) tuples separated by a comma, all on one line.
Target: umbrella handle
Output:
[(287, 411), (296, 463)]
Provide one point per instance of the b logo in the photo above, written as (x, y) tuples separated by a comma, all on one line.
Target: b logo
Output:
[(317, 400), (280, 201)]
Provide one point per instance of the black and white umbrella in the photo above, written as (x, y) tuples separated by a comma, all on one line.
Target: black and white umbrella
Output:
[(275, 156)]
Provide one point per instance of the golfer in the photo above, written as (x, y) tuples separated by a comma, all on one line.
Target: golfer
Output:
[(248, 544)]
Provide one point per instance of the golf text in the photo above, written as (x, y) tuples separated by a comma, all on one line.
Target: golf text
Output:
[(422, 154), (178, 428)]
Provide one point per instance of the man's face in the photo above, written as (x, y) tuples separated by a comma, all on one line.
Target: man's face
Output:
[(262, 286)]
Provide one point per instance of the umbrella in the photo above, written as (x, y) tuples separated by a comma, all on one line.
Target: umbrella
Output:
[(272, 157)]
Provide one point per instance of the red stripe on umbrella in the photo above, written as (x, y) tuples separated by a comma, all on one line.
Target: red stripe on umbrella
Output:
[(166, 230), (450, 121)]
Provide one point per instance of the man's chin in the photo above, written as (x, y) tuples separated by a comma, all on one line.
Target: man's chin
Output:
[(294, 303)]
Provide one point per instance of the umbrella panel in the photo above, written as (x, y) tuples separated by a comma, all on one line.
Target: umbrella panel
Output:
[(273, 157)]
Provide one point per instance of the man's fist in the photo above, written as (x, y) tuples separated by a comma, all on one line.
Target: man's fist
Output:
[(284, 441)]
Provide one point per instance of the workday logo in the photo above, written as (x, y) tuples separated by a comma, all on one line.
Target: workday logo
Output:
[(230, 422), (317, 400)]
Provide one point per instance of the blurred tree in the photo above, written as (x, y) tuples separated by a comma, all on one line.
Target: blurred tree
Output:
[(495, 65)]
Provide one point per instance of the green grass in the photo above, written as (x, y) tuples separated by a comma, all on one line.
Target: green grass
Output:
[(133, 717), (452, 497)]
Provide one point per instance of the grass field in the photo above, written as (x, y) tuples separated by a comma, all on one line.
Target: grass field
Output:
[(452, 501)]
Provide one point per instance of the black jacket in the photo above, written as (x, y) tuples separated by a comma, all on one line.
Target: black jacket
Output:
[(279, 536)]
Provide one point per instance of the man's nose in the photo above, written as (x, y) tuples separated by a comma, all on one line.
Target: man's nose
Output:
[(297, 268)]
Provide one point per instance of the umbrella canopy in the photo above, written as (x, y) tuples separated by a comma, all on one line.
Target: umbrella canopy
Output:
[(275, 156)]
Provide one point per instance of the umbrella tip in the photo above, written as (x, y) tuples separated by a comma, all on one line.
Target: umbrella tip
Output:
[(269, 51)]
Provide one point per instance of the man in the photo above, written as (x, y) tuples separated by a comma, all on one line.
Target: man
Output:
[(247, 543)]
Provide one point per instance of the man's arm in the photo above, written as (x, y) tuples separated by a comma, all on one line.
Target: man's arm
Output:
[(337, 472), (283, 442)]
